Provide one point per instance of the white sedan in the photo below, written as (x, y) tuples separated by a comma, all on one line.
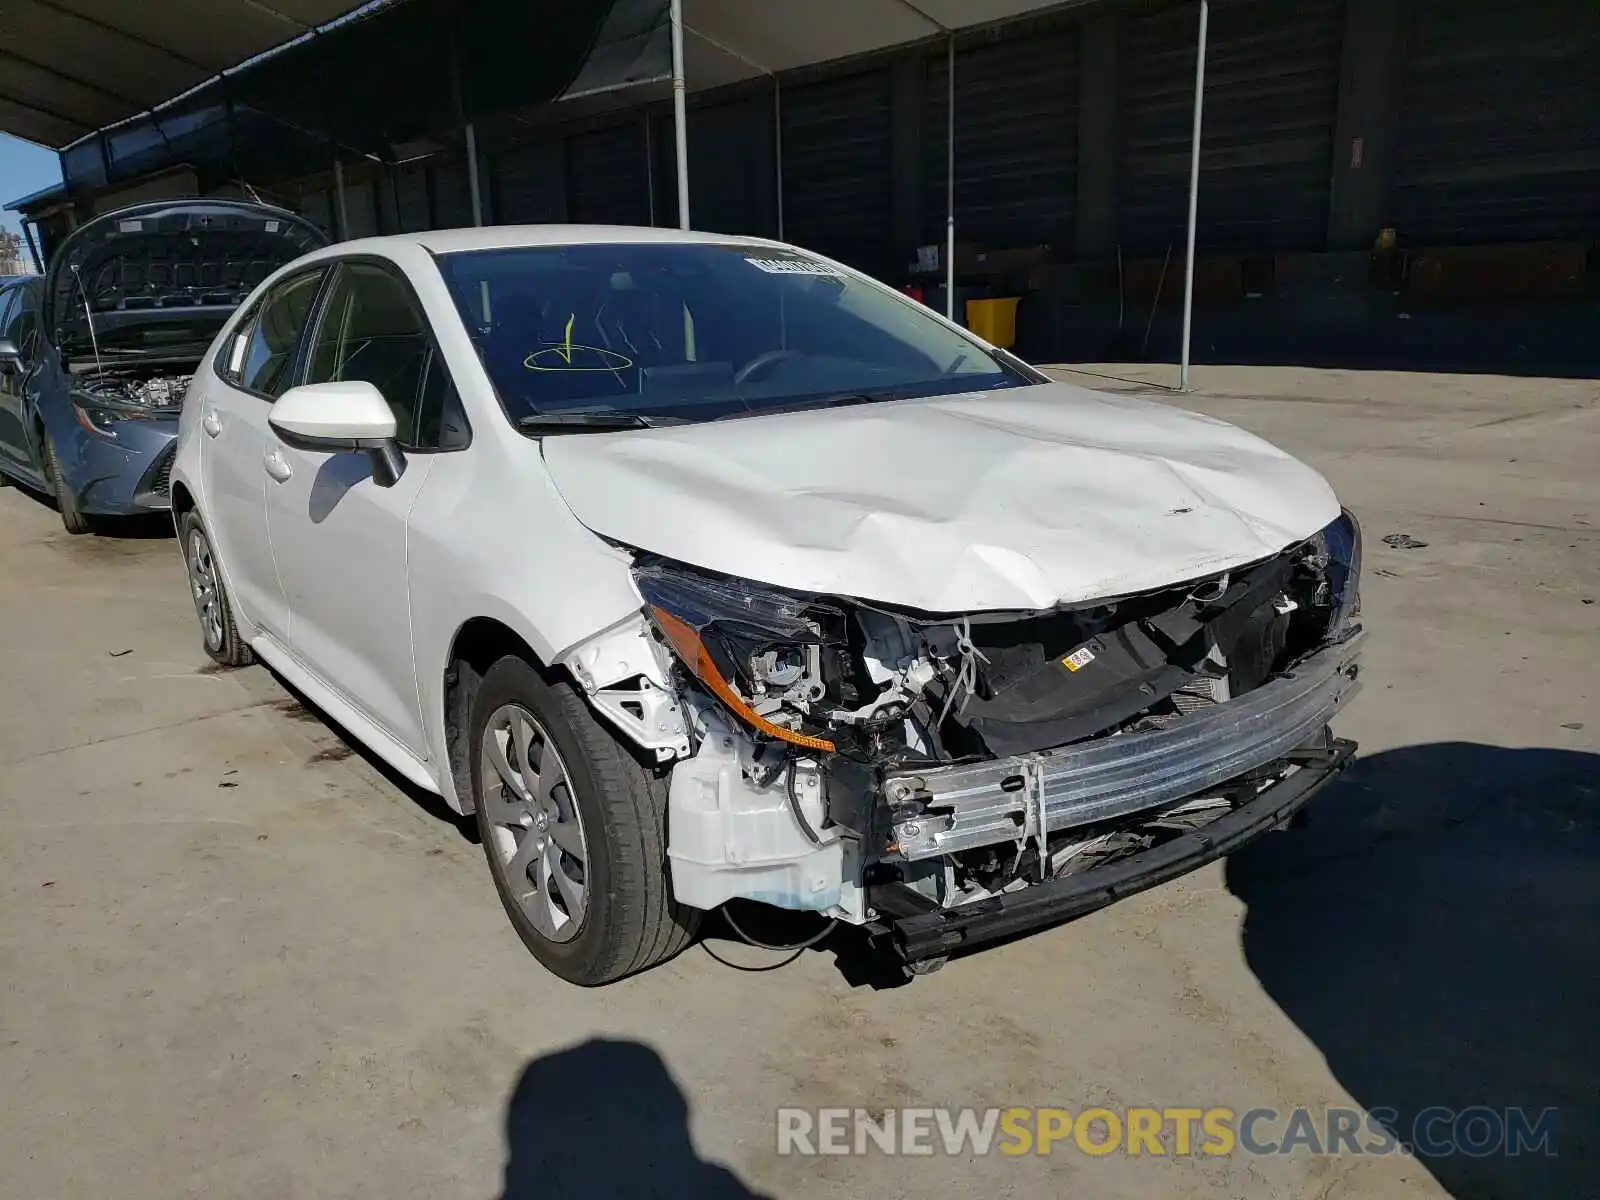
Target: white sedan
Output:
[(702, 568)]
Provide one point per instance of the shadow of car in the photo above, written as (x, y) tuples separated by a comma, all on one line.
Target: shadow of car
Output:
[(1435, 930)]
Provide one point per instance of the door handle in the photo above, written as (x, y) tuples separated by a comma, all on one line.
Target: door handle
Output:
[(278, 467), (211, 423)]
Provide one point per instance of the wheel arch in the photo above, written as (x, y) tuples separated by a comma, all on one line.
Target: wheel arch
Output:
[(478, 643), (182, 500)]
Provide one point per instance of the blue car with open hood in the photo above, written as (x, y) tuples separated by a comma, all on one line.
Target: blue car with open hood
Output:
[(96, 355)]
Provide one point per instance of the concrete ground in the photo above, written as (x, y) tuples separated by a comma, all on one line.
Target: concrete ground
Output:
[(236, 959)]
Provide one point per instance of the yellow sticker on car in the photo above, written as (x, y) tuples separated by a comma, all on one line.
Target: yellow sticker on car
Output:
[(1078, 659)]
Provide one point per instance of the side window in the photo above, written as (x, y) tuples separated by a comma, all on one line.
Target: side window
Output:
[(441, 420), (371, 330), (266, 364), (230, 358)]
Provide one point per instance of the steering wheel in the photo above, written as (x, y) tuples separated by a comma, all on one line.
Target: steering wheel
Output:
[(764, 359)]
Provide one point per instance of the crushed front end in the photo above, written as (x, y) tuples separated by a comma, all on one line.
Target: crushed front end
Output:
[(947, 780)]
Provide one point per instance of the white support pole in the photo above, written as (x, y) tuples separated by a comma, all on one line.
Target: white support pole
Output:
[(777, 143), (338, 194), (650, 166), (680, 113), (1194, 194), (473, 184), (950, 188)]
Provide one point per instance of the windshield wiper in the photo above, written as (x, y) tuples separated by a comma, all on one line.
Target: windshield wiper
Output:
[(840, 400), (569, 422)]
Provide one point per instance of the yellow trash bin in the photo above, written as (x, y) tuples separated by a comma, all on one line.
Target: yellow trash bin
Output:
[(995, 321)]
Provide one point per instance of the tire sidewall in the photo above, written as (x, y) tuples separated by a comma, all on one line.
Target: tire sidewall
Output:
[(66, 503), (513, 681), (229, 653)]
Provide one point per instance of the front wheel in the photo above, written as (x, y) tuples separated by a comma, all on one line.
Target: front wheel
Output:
[(574, 829), (66, 502)]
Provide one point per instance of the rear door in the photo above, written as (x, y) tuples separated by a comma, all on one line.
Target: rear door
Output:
[(256, 366)]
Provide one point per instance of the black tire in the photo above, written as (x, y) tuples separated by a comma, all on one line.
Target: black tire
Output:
[(74, 520), (221, 638), (631, 921)]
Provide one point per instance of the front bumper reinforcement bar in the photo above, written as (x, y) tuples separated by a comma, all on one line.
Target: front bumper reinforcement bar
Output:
[(944, 810), (920, 930)]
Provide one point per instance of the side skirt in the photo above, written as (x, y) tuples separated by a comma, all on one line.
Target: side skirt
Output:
[(359, 727)]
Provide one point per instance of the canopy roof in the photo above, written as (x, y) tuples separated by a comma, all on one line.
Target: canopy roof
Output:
[(70, 67), (726, 41), (276, 89)]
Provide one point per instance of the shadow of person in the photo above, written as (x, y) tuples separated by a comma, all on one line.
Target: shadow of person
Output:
[(606, 1119), (1434, 928)]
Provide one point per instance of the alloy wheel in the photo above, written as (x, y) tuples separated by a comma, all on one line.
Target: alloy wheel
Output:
[(203, 584), (537, 831)]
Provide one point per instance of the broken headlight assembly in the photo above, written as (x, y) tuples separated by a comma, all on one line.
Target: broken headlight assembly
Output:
[(760, 651), (1338, 547)]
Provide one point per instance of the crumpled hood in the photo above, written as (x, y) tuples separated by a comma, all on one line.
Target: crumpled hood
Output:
[(1015, 499)]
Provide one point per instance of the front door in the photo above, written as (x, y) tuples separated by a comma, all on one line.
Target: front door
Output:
[(259, 364), (340, 538)]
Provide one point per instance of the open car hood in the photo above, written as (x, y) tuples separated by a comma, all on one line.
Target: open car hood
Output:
[(165, 270), (1020, 499)]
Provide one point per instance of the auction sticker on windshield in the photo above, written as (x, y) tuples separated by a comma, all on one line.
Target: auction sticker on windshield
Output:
[(793, 266)]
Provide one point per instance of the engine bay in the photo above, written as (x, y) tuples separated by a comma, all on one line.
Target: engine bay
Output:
[(151, 388)]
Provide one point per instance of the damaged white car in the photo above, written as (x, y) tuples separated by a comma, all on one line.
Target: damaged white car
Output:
[(703, 568)]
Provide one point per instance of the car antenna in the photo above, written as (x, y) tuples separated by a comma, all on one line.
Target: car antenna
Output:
[(88, 316)]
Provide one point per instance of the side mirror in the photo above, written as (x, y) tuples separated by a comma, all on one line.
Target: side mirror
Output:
[(10, 357), (341, 418)]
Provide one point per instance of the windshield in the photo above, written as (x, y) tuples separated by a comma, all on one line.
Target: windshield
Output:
[(670, 332)]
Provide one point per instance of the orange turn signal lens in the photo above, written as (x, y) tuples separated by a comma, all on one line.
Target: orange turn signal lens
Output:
[(692, 650)]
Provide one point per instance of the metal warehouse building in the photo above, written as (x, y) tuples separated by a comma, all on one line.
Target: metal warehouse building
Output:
[(1361, 159)]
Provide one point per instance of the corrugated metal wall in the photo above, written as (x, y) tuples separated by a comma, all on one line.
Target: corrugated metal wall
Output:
[(452, 193), (317, 207), (607, 176), (1016, 141), (360, 200), (1499, 132), (837, 168), (528, 184), (1272, 90), (1496, 138), (731, 167), (407, 187)]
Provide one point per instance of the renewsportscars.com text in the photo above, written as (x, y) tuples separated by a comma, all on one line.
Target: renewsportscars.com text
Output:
[(1434, 1132)]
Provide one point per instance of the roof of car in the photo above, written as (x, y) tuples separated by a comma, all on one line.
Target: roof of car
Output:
[(505, 237)]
